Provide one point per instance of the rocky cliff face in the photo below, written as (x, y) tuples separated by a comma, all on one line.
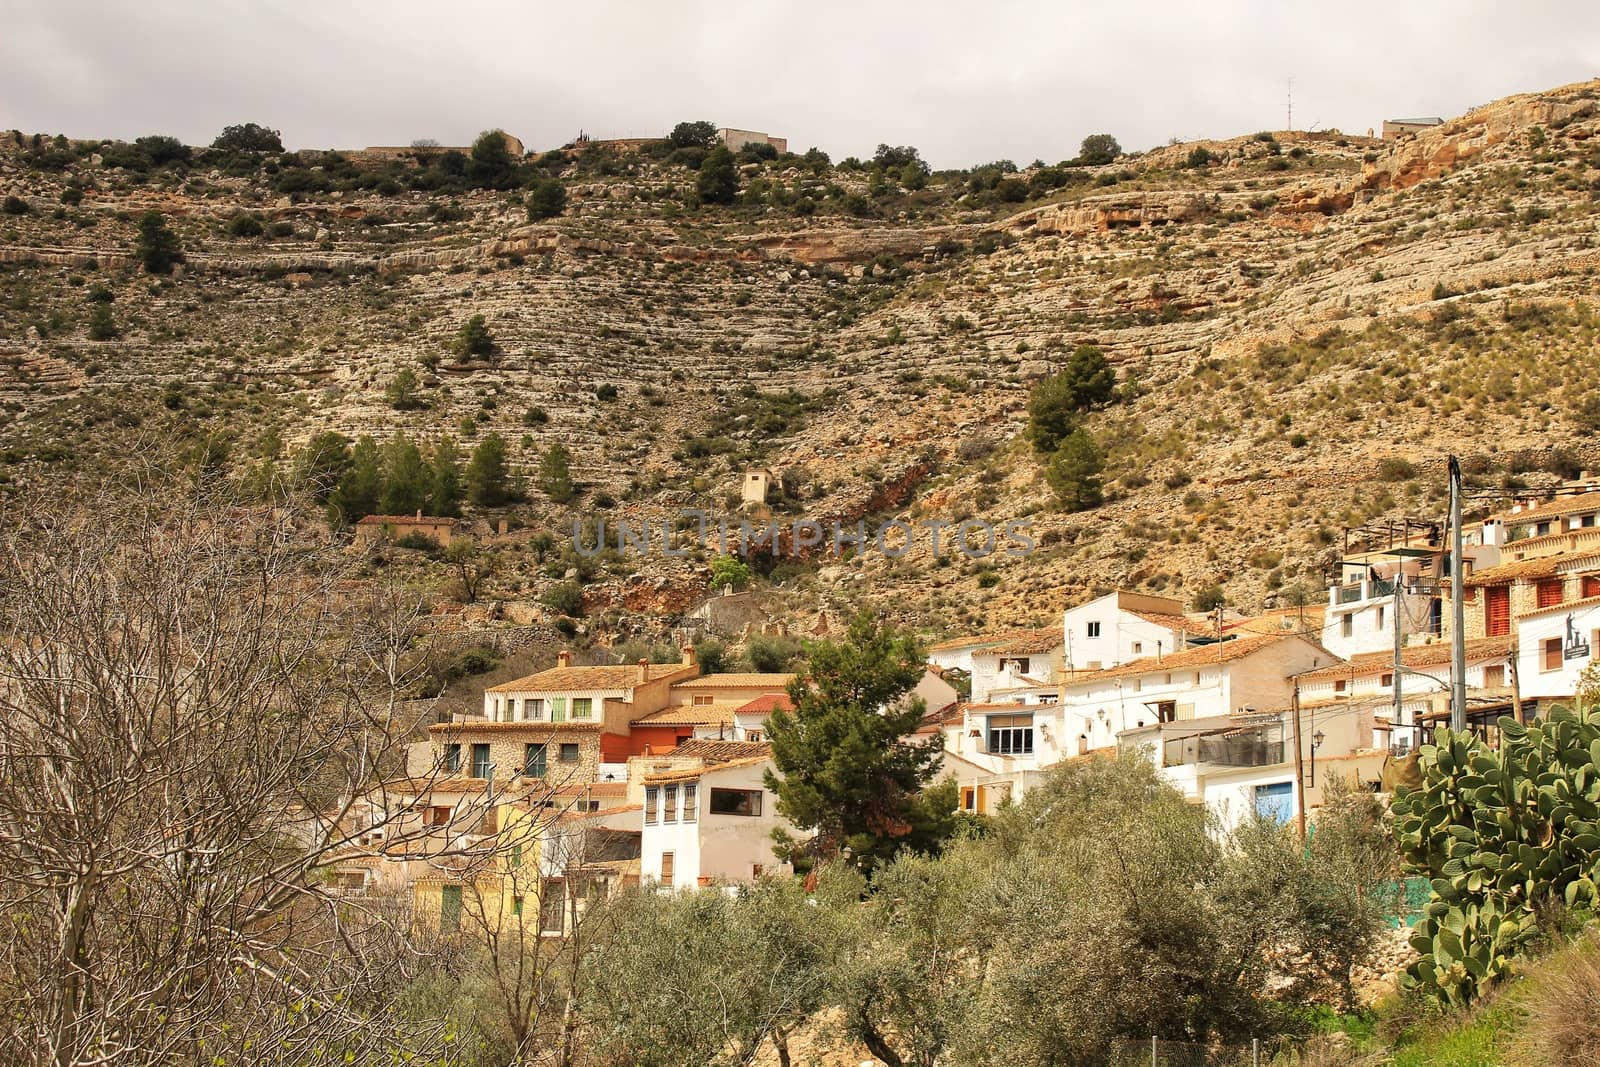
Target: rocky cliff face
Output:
[(1291, 314)]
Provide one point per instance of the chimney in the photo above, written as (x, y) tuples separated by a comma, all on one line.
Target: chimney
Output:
[(419, 514), (688, 655), (644, 670), (505, 527), (564, 658)]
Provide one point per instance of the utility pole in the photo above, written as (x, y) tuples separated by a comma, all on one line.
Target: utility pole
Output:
[(1458, 614), (1291, 104), (1299, 769), (1399, 707)]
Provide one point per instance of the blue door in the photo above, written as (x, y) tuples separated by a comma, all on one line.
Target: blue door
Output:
[(1275, 801)]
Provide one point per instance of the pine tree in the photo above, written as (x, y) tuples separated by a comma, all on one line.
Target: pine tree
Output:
[(487, 474), (405, 478), (555, 475), (490, 165), (1074, 471), (444, 481), (474, 339), (847, 771), (157, 246), (718, 182), (1087, 382), (361, 488), (402, 391), (547, 199), (323, 463)]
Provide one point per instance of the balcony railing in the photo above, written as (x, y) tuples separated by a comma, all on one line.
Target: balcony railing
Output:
[(1245, 751), (1358, 591)]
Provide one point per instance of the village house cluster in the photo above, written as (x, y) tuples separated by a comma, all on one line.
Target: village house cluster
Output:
[(580, 779)]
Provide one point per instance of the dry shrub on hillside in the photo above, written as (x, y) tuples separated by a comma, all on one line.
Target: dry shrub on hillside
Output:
[(1564, 1010)]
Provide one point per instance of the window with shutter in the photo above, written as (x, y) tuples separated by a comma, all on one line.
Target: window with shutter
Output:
[(1552, 654), (668, 867), (1591, 585), (1497, 610), (1549, 592)]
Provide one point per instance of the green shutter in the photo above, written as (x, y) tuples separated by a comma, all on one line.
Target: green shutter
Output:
[(449, 907), (558, 709)]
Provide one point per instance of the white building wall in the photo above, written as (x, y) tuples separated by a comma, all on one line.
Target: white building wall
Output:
[(1552, 625), (1122, 637), (723, 848)]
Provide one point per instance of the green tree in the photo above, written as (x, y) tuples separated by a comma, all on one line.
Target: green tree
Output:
[(844, 768), (555, 475), (474, 339), (729, 571), (771, 653), (718, 180), (547, 199), (322, 464), (157, 247), (565, 598), (1074, 472), (102, 327), (405, 477), (248, 137), (1087, 382), (700, 134), (245, 224), (490, 165), (401, 392), (361, 488), (444, 480), (162, 150), (1098, 149), (488, 475), (1208, 598)]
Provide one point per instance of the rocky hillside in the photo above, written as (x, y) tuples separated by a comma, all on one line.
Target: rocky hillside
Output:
[(1305, 324)]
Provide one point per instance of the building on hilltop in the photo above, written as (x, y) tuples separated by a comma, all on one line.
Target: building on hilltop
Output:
[(1123, 626), (734, 140), (373, 528), (1393, 129)]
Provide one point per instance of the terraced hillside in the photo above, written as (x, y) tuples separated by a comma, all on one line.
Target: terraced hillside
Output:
[(1305, 325)]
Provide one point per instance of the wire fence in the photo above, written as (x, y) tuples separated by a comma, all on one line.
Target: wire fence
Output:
[(1159, 1052)]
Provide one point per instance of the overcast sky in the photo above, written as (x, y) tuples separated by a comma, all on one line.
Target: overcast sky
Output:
[(965, 82)]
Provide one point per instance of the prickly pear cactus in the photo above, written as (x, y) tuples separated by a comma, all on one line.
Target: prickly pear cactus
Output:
[(1499, 833)]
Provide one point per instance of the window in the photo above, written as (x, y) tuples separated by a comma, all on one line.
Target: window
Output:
[(553, 906), (1340, 685), (533, 760), (756, 870), (1011, 735), (533, 708), (516, 856), (1494, 676), (969, 798), (1548, 592), (736, 802), (583, 707), (1138, 647), (1552, 654), (1382, 618), (449, 907), (516, 905), (691, 802), (752, 735), (436, 816), (480, 761), (1166, 711), (569, 752), (1496, 611), (452, 758), (1591, 585), (558, 709), (1386, 680), (1093, 629), (1347, 626), (652, 800), (669, 864), (669, 804), (702, 699), (511, 709)]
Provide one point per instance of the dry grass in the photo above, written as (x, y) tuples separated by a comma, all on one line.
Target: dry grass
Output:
[(1564, 1006)]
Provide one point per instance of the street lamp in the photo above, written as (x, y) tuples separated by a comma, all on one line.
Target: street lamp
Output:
[(1316, 743)]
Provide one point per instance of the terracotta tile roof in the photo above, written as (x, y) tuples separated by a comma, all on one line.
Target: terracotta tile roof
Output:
[(617, 676), (1030, 642), (691, 773), (1000, 705), (406, 520), (1522, 570), (972, 640), (533, 727), (1567, 605), (767, 703), (1176, 623), (776, 683), (593, 789), (1554, 509), (1433, 655), (1196, 656), (721, 711), (714, 750)]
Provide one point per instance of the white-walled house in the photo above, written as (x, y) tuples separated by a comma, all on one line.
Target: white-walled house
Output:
[(956, 653), (710, 824), (1555, 645), (1124, 626), (1225, 677), (1028, 662)]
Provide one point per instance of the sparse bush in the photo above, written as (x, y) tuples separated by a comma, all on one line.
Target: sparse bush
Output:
[(245, 225), (1396, 469), (565, 598), (15, 205)]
